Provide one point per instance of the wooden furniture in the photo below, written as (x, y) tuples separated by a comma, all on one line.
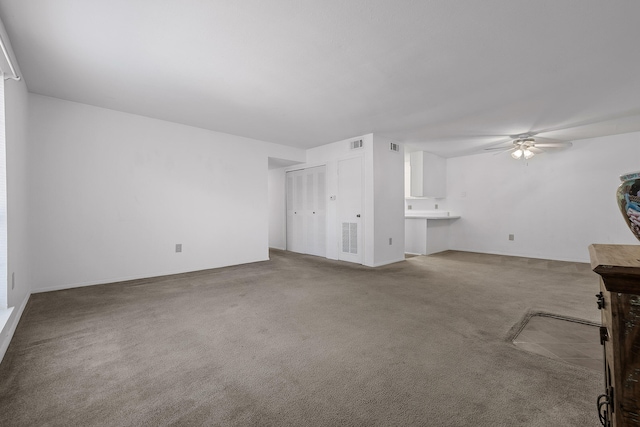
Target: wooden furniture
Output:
[(619, 300)]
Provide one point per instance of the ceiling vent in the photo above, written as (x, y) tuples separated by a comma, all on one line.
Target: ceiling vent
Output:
[(356, 144), (394, 147)]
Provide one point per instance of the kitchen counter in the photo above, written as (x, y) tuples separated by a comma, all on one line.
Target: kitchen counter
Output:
[(430, 215)]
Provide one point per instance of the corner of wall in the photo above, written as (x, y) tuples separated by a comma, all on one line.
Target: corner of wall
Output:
[(388, 203)]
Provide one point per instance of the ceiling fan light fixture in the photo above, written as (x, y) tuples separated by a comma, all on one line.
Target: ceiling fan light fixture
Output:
[(528, 153), (525, 146)]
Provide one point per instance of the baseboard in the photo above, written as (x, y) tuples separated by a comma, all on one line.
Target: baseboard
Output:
[(134, 277), (525, 255), (393, 261), (103, 282), (10, 328)]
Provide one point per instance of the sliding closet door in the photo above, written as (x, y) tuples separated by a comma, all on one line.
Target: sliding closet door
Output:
[(306, 211)]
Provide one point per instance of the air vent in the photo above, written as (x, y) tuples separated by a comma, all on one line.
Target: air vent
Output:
[(356, 144), (394, 147), (350, 237)]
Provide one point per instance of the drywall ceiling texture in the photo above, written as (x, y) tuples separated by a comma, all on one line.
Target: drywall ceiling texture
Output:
[(447, 77)]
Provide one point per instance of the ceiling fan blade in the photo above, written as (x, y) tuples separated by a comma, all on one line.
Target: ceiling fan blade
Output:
[(545, 140), (536, 150), (523, 135), (553, 144), (493, 145), (499, 148)]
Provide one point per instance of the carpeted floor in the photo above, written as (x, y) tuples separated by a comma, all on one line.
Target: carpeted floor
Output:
[(304, 341)]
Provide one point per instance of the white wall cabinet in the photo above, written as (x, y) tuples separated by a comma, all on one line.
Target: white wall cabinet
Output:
[(306, 211), (428, 175)]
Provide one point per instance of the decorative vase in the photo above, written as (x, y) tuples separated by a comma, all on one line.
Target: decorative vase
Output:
[(628, 196)]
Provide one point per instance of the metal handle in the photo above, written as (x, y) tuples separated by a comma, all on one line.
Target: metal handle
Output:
[(358, 215), (605, 406), (604, 335), (600, 297)]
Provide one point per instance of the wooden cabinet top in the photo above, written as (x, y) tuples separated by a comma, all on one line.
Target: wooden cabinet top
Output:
[(619, 266)]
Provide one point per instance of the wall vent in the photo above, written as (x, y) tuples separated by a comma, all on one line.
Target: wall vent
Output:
[(356, 144), (350, 237), (394, 147)]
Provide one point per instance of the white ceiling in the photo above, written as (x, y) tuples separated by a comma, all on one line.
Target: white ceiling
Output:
[(450, 77)]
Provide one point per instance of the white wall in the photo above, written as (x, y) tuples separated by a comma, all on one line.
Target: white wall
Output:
[(113, 193), (556, 204), (277, 209), (426, 204), (388, 183)]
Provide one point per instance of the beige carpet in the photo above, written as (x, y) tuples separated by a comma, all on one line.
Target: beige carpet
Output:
[(304, 341)]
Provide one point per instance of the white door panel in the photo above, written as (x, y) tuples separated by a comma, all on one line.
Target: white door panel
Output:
[(350, 210)]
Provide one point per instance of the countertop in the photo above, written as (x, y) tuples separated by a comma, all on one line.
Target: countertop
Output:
[(429, 215)]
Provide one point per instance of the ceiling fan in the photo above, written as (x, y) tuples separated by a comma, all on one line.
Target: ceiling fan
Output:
[(525, 146)]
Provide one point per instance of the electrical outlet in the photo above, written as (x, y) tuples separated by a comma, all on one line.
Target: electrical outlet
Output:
[(436, 206), (178, 247), (511, 237), (390, 240), (409, 207)]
